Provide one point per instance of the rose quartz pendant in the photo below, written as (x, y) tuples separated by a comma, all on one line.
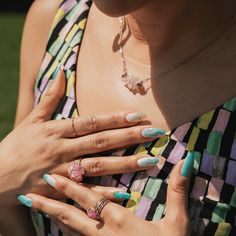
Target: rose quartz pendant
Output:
[(92, 214), (76, 172), (133, 83)]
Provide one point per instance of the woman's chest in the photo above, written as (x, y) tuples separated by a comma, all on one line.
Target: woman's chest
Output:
[(168, 102)]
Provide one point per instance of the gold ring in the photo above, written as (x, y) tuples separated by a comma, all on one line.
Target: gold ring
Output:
[(73, 127)]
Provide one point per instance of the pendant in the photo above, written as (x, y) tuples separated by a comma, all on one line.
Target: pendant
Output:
[(133, 83)]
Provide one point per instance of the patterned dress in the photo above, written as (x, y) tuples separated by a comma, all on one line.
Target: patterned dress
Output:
[(211, 137)]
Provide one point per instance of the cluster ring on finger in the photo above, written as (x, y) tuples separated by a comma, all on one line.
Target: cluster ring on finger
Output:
[(95, 213), (76, 171)]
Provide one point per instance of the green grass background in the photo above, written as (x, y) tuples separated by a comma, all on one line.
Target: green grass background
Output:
[(11, 26)]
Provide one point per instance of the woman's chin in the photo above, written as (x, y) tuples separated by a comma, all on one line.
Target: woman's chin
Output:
[(116, 8)]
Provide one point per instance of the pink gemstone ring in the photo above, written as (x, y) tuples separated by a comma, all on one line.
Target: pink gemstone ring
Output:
[(95, 213), (76, 172)]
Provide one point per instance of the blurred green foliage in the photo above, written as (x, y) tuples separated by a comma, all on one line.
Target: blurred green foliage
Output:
[(11, 26)]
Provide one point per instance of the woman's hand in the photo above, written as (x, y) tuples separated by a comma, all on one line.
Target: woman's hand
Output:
[(40, 145), (117, 220)]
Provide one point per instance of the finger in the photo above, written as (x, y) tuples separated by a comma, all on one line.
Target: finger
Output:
[(84, 125), (85, 197), (68, 215), (100, 166), (50, 101), (114, 194), (177, 194), (107, 140)]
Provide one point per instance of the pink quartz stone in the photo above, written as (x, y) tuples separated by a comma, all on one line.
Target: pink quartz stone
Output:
[(132, 82), (76, 172), (92, 213)]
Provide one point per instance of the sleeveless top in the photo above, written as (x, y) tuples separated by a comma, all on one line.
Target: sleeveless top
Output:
[(211, 137)]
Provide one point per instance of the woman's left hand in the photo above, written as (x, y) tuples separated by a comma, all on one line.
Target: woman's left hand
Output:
[(116, 220)]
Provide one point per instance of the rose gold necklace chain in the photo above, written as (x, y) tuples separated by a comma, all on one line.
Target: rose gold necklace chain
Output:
[(136, 84)]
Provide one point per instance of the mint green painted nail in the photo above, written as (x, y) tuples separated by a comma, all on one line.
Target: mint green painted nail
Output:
[(49, 179), (136, 117), (188, 165), (152, 132), (25, 200), (55, 73), (122, 195), (147, 161)]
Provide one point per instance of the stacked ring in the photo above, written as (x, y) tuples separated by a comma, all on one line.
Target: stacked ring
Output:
[(95, 213)]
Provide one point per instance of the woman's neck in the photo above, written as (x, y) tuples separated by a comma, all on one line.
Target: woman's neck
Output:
[(175, 27)]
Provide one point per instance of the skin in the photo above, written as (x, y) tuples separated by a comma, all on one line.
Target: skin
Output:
[(175, 42), (178, 36)]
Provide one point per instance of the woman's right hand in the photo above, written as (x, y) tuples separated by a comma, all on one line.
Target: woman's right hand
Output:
[(39, 144)]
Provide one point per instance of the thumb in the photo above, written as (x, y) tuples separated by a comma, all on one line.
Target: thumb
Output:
[(177, 193), (51, 99)]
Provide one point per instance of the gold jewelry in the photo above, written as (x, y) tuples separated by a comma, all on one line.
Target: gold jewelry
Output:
[(73, 127), (135, 83), (95, 212)]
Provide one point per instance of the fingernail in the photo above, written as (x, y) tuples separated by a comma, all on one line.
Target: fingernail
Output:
[(187, 165), (147, 161), (25, 200), (152, 132), (55, 73), (135, 116), (49, 179), (122, 195)]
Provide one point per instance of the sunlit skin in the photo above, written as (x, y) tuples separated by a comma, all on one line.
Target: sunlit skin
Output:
[(163, 32)]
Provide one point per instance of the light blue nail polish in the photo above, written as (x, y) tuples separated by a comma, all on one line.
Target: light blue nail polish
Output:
[(55, 73), (147, 161), (49, 179), (122, 195), (25, 200), (152, 132), (187, 165)]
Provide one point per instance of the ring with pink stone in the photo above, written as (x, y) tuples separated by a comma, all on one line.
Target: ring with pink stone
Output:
[(95, 213), (76, 172)]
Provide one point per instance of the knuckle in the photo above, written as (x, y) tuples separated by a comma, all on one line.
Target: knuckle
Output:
[(116, 119), (131, 134), (95, 167), (52, 150), (39, 114), (119, 219), (64, 216), (49, 129), (62, 186), (100, 141), (127, 164), (180, 219), (178, 188), (38, 205), (48, 95), (91, 123)]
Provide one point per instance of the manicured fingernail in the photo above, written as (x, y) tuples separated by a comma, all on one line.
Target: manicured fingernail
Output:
[(25, 200), (122, 195), (187, 165), (147, 161), (152, 132), (49, 179), (55, 73), (135, 116)]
